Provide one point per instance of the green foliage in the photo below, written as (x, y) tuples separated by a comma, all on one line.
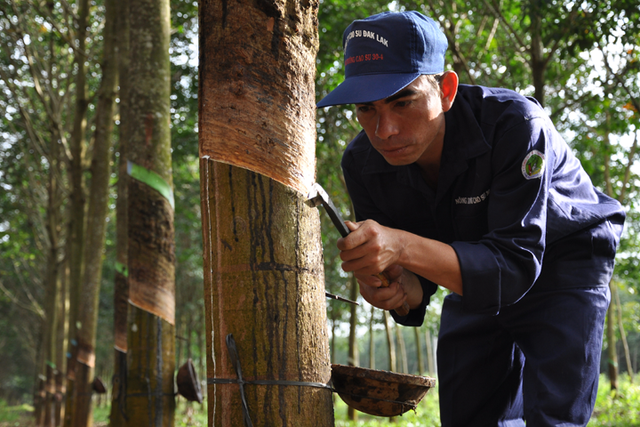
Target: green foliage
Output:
[(13, 415), (619, 408)]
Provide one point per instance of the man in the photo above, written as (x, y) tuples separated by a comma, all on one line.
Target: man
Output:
[(473, 189)]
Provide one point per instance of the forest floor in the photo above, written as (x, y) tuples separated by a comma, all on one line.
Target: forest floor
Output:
[(613, 409)]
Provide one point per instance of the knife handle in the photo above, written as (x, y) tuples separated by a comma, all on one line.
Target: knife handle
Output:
[(402, 310)]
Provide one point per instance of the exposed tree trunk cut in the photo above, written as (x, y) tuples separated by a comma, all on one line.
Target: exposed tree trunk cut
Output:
[(257, 97), (264, 285)]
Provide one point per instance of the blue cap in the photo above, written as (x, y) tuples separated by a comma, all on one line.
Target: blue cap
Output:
[(384, 53)]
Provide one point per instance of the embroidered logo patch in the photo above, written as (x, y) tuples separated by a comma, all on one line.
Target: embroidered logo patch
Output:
[(533, 165)]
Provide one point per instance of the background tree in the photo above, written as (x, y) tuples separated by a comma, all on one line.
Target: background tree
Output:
[(77, 152), (151, 247), (121, 275), (98, 205), (36, 71)]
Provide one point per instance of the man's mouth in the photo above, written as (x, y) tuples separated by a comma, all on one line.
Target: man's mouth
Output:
[(394, 150)]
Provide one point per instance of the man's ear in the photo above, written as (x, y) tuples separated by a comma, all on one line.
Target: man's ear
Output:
[(448, 89)]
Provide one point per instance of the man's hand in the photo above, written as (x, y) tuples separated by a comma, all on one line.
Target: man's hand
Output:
[(386, 298), (371, 249)]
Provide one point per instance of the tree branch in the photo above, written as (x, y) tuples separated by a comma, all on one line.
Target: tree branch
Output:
[(35, 308), (635, 102)]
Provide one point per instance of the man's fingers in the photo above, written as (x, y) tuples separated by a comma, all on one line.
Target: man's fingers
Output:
[(353, 240), (353, 226), (384, 298), (394, 273), (369, 280)]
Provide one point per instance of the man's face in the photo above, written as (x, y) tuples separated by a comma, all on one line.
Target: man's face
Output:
[(407, 127)]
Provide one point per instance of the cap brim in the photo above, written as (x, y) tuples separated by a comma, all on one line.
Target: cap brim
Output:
[(367, 88)]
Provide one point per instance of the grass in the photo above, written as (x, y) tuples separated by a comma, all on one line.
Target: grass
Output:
[(619, 408), (15, 416), (426, 414), (613, 409)]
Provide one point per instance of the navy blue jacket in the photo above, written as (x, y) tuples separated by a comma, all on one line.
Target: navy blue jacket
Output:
[(512, 224)]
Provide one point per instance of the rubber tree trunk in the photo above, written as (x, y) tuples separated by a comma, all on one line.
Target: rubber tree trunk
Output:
[(538, 59), (45, 414), (150, 394), (87, 322), (352, 414), (403, 366), (264, 277), (623, 336), (78, 200), (416, 332), (391, 345), (372, 348), (121, 288), (612, 353), (61, 346), (431, 360)]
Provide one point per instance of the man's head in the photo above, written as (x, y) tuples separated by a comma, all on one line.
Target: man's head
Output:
[(409, 126), (385, 53)]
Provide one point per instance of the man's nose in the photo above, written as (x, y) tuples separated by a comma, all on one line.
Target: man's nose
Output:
[(386, 126)]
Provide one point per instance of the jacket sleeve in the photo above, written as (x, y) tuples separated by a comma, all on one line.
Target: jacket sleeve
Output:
[(500, 267)]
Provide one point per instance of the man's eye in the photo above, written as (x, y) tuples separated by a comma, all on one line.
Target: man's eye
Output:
[(402, 103), (363, 108)]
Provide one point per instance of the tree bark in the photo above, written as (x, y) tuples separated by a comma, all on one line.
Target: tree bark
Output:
[(431, 363), (96, 226), (264, 283), (150, 390), (48, 348), (353, 338), (121, 288), (416, 332), (538, 59), (391, 346), (612, 354), (77, 196), (403, 349), (623, 336), (372, 349)]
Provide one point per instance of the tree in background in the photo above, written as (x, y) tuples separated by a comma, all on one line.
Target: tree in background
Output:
[(36, 70), (121, 279), (98, 205), (77, 192), (38, 47), (151, 247)]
